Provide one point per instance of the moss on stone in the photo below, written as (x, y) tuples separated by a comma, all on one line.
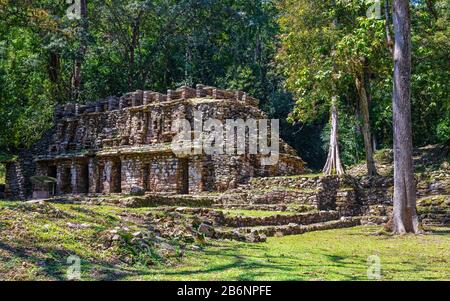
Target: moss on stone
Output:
[(254, 213)]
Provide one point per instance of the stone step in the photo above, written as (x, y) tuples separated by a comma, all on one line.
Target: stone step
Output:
[(259, 234), (280, 219), (148, 200), (292, 207), (276, 196), (262, 207), (293, 182), (371, 220)]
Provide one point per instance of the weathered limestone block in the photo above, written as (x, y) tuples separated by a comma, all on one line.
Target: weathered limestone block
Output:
[(79, 177), (93, 175), (111, 179), (63, 178), (139, 125), (132, 175)]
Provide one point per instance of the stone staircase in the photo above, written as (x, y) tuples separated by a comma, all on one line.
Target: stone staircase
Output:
[(260, 233), (278, 206), (296, 194), (223, 224)]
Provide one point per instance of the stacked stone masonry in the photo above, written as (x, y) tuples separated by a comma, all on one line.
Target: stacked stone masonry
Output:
[(123, 145)]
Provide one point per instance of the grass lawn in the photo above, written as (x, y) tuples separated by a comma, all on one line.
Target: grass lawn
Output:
[(35, 243), (328, 255)]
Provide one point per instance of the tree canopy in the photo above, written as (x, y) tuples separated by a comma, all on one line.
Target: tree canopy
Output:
[(281, 51)]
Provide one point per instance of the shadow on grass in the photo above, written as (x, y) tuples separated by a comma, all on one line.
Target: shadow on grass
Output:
[(233, 264), (52, 263)]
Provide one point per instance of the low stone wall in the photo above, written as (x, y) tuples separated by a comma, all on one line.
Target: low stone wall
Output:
[(324, 193), (18, 173), (168, 200), (303, 218), (258, 235), (434, 210)]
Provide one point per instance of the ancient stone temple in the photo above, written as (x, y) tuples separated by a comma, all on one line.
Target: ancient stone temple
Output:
[(123, 145)]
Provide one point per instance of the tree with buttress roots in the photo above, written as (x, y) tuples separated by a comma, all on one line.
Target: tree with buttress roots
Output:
[(330, 53), (308, 60)]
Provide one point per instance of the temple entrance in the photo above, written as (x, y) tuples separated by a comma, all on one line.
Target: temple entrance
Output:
[(52, 171), (84, 179), (146, 177), (66, 180), (184, 176), (116, 177)]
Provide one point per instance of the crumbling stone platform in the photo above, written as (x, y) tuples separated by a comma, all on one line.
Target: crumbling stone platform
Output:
[(123, 145), (252, 212)]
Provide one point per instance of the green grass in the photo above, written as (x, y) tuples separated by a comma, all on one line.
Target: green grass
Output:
[(35, 245), (328, 255)]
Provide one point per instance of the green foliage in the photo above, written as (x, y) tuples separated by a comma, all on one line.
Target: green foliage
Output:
[(25, 98), (156, 45), (443, 130), (431, 75), (311, 47), (131, 44)]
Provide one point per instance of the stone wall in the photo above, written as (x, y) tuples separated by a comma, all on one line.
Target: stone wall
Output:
[(121, 144), (18, 173), (303, 219), (370, 197), (322, 193)]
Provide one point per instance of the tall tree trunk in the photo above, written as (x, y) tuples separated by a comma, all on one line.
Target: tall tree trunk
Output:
[(387, 26), (364, 109), (405, 216), (333, 164), (76, 78)]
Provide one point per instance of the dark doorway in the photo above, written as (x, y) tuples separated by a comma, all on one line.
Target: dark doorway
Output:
[(116, 177), (184, 176), (66, 180), (52, 171), (146, 177), (84, 180)]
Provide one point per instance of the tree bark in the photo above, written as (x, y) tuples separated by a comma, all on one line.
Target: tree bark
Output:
[(333, 164), (405, 218), (389, 42), (76, 78), (360, 83)]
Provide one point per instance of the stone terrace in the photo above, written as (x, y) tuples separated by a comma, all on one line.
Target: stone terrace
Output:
[(123, 145)]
